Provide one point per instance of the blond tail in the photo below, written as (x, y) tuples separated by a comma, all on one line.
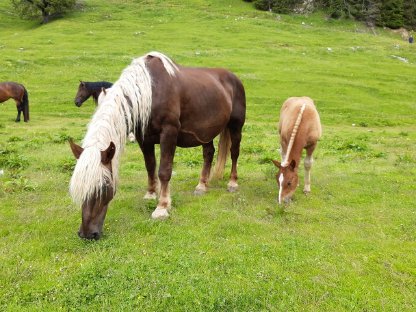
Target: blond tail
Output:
[(224, 146)]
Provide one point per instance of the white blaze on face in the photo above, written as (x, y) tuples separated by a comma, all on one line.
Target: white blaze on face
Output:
[(281, 178)]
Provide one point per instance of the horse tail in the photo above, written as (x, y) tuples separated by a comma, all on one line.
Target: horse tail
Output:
[(25, 104), (224, 146)]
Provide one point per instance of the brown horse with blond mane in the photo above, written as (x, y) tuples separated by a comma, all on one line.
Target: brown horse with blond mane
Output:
[(299, 128), (17, 92), (162, 103)]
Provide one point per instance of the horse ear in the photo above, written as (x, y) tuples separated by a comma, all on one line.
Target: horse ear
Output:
[(82, 83), (103, 90), (108, 154), (292, 165), (276, 163), (76, 149)]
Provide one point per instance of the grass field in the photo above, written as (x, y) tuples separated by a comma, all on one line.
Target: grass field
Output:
[(349, 246)]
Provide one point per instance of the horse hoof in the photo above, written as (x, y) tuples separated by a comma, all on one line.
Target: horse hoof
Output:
[(160, 214), (306, 190), (232, 188), (150, 195), (200, 189), (199, 192)]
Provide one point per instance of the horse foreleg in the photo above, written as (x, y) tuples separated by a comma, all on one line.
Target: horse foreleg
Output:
[(235, 134), (168, 141), (208, 153), (308, 165), (148, 151)]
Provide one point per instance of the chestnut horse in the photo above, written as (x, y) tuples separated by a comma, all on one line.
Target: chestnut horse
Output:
[(162, 103), (17, 92), (299, 128), (87, 89)]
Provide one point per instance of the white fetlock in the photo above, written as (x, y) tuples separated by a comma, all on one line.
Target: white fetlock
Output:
[(160, 214), (307, 189), (232, 186), (150, 195)]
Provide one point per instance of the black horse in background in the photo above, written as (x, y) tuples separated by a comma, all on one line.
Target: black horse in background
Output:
[(87, 89)]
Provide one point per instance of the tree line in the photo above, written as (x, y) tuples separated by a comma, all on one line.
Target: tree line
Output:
[(384, 13)]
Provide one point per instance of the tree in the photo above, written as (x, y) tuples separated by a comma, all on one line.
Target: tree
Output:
[(409, 7), (45, 8), (392, 13)]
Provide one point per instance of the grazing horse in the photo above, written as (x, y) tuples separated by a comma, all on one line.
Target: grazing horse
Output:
[(162, 103), (87, 89), (17, 92), (299, 128)]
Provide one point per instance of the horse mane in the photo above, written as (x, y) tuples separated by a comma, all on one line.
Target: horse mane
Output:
[(285, 161), (125, 105), (97, 85)]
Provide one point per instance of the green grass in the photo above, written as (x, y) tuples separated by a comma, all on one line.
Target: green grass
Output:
[(349, 246)]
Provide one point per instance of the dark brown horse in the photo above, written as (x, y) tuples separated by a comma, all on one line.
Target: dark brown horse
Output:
[(17, 92), (87, 89), (162, 103)]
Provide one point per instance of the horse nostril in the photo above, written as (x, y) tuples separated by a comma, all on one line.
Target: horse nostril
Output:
[(96, 235)]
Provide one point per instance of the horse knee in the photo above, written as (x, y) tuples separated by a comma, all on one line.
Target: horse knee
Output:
[(308, 163)]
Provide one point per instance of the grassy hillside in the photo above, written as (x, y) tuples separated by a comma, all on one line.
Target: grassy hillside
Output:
[(350, 245)]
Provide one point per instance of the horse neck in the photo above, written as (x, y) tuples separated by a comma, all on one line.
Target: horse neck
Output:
[(297, 151)]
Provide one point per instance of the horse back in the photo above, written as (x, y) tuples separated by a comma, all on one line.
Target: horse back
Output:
[(309, 130), (13, 90), (201, 101)]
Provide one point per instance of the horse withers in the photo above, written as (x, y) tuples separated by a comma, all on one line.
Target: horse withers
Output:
[(299, 128), (87, 89), (162, 103), (17, 92)]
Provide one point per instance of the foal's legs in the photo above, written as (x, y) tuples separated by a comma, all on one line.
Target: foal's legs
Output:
[(168, 140), (308, 165), (148, 151), (235, 134), (208, 152)]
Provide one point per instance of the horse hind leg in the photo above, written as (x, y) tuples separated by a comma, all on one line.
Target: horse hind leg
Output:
[(208, 153), (308, 165), (235, 134), (19, 110)]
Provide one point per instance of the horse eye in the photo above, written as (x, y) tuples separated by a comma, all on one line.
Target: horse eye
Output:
[(289, 183)]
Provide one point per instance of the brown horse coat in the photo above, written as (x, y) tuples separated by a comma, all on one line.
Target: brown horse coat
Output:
[(16, 91), (163, 103)]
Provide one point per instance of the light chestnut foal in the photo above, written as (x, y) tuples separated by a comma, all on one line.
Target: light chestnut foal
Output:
[(299, 128)]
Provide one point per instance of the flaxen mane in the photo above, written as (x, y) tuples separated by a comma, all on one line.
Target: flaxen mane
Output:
[(126, 105)]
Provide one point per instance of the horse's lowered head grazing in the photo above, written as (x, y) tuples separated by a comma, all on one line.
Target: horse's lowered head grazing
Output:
[(299, 128), (94, 205), (287, 180)]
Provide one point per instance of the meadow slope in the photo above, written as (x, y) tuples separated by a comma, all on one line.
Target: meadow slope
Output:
[(349, 246)]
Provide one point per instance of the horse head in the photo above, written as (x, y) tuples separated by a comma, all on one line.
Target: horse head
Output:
[(94, 207), (82, 95), (287, 180)]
